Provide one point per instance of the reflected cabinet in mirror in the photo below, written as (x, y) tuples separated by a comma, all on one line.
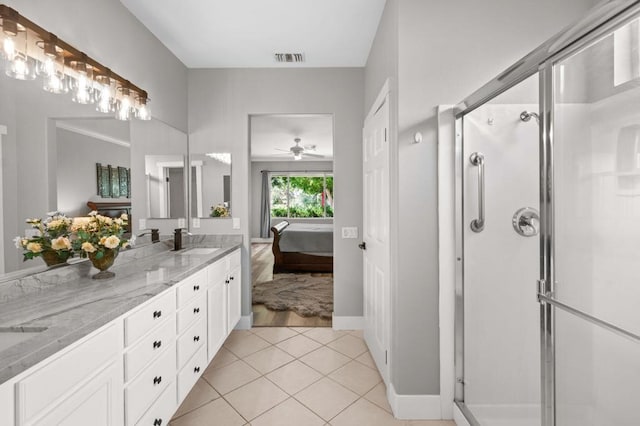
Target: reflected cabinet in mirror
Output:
[(211, 185), (165, 182)]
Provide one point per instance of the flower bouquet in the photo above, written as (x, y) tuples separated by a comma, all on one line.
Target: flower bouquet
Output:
[(52, 241), (100, 238), (219, 210)]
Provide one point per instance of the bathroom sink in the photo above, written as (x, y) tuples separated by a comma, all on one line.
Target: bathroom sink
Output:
[(200, 251), (11, 336)]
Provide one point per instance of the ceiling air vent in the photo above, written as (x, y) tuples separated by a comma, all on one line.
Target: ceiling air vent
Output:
[(289, 57)]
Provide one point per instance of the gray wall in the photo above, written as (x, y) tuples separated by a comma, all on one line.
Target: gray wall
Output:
[(445, 51), (77, 179), (220, 103), (106, 31), (278, 166)]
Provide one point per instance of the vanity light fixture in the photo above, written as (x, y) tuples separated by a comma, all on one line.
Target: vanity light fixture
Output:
[(28, 50)]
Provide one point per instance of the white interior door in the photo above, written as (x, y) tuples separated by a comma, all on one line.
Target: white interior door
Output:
[(375, 245)]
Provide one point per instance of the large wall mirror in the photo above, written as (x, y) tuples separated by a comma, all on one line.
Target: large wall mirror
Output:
[(210, 185)]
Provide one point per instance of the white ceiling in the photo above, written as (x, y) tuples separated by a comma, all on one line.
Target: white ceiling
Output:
[(246, 33), (273, 135)]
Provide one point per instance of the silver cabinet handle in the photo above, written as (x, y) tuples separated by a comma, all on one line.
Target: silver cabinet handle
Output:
[(477, 159)]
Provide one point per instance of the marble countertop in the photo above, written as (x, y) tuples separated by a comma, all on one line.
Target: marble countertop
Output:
[(69, 305)]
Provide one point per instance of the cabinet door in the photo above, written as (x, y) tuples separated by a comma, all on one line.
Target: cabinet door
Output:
[(216, 316), (97, 403), (234, 298), (6, 404)]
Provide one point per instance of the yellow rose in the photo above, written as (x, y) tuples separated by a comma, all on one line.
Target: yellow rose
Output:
[(102, 240), (124, 216), (61, 243), (88, 247), (34, 247), (112, 242)]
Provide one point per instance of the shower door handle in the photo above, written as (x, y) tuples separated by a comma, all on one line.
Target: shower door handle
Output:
[(477, 159)]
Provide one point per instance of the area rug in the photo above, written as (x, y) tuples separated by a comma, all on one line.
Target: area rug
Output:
[(307, 295)]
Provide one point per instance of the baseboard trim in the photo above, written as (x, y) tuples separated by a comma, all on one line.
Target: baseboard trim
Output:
[(347, 323), (245, 323), (262, 240), (458, 417), (414, 407)]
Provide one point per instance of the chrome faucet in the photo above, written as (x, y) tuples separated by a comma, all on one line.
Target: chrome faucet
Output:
[(155, 234), (177, 238)]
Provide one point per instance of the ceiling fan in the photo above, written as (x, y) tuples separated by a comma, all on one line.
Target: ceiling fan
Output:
[(299, 151)]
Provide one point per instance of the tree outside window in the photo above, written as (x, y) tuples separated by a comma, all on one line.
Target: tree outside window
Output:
[(308, 195)]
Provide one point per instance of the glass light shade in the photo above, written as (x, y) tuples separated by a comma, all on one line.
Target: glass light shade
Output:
[(123, 109), (21, 67), (143, 112), (56, 83), (82, 85), (51, 68), (105, 94), (297, 156)]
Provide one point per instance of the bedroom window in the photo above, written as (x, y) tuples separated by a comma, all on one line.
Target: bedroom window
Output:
[(302, 195)]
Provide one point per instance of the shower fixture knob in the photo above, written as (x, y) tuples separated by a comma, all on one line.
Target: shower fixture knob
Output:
[(526, 222)]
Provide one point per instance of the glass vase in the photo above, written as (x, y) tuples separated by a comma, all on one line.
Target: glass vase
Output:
[(55, 257), (103, 263)]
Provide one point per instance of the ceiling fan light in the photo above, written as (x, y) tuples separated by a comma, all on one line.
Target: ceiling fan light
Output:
[(297, 156)]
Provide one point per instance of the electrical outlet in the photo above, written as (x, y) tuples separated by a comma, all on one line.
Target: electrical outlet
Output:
[(196, 222), (236, 223), (350, 232), (142, 224), (182, 222)]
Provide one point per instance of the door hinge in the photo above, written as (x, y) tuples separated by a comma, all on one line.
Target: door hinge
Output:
[(386, 357), (542, 285), (460, 380)]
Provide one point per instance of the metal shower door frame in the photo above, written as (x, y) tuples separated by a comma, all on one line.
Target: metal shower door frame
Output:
[(599, 22)]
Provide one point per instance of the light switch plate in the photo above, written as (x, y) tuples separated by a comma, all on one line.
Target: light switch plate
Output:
[(350, 232), (236, 223), (181, 222), (196, 222), (142, 224)]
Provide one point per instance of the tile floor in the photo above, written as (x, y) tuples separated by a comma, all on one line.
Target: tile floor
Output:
[(291, 376)]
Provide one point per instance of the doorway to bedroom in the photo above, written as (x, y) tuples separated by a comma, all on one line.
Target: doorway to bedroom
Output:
[(292, 219)]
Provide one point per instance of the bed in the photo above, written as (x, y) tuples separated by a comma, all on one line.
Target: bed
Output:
[(302, 247)]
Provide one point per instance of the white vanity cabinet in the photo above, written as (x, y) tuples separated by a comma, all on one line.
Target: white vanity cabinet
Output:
[(80, 384), (137, 369), (223, 300)]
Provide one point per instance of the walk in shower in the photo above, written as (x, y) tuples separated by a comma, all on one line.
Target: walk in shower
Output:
[(548, 233)]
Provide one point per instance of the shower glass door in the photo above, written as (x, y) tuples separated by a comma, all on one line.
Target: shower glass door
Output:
[(500, 169), (596, 230)]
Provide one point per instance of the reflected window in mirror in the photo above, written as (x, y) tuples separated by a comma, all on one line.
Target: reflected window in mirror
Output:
[(211, 185)]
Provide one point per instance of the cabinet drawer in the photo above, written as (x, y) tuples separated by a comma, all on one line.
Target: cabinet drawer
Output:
[(191, 340), (196, 308), (191, 372), (218, 271), (151, 314), (49, 382), (162, 410), (234, 259), (142, 391), (150, 346), (191, 287)]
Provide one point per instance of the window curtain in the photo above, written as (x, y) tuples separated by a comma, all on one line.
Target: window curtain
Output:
[(265, 206)]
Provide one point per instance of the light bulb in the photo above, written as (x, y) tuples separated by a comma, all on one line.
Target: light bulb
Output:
[(83, 92), (55, 83), (8, 48), (105, 103)]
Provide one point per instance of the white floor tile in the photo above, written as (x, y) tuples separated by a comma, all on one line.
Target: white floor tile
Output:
[(326, 398), (288, 413), (294, 377), (255, 398)]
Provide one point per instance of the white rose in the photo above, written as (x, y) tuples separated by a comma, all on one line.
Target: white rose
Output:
[(34, 247), (61, 243), (112, 242), (88, 247)]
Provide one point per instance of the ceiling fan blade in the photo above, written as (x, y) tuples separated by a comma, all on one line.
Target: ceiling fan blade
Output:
[(283, 150), (308, 154)]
